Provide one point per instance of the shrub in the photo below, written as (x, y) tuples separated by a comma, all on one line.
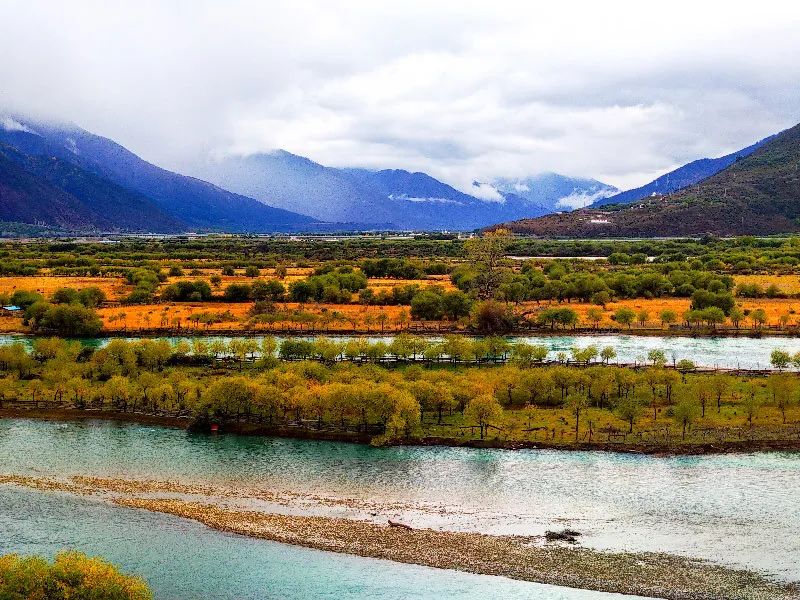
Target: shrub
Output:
[(72, 575), (492, 317)]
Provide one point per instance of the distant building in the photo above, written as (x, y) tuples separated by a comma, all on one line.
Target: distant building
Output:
[(9, 310)]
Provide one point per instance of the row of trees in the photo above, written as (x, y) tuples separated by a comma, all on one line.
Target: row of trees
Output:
[(155, 376)]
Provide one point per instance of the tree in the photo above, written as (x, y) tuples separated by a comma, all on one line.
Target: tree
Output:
[(630, 410), (643, 317), (624, 316), (70, 575), (758, 318), (492, 317), (576, 403), (486, 255), (455, 305), (736, 316), (594, 316), (780, 359), (608, 353), (720, 386), (685, 413), (657, 357), (69, 320), (751, 403), (427, 306), (667, 317), (483, 409), (782, 389)]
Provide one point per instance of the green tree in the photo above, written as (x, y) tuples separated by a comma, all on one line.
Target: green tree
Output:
[(608, 353), (483, 409), (780, 359), (630, 410), (624, 316), (576, 404), (486, 255), (685, 413), (668, 317), (758, 318), (594, 316), (657, 357)]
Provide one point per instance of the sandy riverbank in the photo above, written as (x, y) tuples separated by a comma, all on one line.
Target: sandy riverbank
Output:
[(524, 558)]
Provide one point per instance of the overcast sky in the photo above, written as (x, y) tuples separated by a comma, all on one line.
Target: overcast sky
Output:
[(462, 90)]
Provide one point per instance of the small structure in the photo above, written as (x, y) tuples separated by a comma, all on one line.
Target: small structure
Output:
[(9, 310)]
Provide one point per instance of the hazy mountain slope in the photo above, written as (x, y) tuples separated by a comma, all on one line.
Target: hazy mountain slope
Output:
[(50, 191), (421, 201), (409, 200), (682, 177), (196, 203), (555, 192), (296, 183), (756, 195)]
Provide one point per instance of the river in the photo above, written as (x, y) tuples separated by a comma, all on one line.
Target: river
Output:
[(722, 352), (739, 510)]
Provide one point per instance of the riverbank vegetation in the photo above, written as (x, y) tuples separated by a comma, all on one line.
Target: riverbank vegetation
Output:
[(71, 575), (455, 391)]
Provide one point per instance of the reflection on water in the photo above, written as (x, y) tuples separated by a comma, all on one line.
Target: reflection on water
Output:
[(739, 509)]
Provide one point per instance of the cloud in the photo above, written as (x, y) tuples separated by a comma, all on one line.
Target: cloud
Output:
[(464, 91), (582, 199), (485, 191)]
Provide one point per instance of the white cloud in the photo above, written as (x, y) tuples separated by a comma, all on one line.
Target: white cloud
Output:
[(582, 199), (463, 90)]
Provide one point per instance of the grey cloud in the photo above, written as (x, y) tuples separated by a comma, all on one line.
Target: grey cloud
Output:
[(461, 90)]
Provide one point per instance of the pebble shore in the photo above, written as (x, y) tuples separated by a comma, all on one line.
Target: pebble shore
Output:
[(524, 558)]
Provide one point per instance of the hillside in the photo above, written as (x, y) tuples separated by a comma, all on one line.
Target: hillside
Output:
[(409, 200), (123, 190), (756, 195), (682, 177), (49, 191)]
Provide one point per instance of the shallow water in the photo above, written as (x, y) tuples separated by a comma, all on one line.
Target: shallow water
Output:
[(183, 560), (736, 509), (722, 352)]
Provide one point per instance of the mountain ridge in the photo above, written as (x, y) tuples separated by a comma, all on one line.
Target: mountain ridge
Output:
[(682, 177), (756, 195), (194, 203)]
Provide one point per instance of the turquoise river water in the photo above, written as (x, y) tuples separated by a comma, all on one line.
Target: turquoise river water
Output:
[(739, 510)]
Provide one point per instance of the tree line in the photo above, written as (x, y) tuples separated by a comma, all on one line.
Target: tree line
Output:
[(157, 377)]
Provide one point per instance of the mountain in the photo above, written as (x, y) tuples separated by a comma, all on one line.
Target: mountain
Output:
[(681, 177), (296, 183), (115, 189), (408, 200), (554, 192), (47, 190), (756, 195)]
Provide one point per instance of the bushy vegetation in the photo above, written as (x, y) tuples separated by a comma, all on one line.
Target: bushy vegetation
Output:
[(71, 576), (408, 388)]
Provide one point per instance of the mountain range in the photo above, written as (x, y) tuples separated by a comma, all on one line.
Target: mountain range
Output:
[(758, 194), (60, 175), (408, 200), (64, 176)]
